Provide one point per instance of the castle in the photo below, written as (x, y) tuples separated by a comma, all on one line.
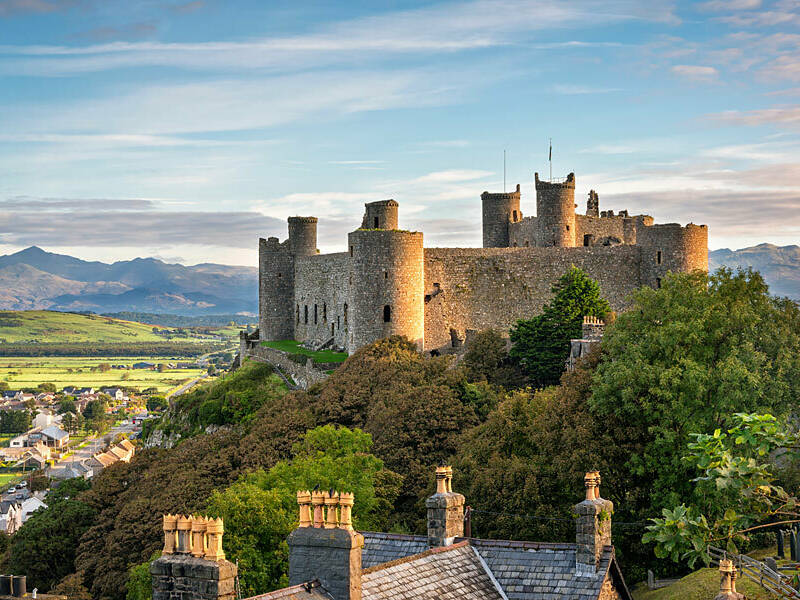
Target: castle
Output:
[(388, 283)]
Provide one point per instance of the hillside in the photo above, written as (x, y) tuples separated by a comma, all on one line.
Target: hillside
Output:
[(57, 327), (779, 265), (36, 279)]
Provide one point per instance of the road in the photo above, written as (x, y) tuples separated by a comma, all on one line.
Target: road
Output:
[(186, 386), (95, 445)]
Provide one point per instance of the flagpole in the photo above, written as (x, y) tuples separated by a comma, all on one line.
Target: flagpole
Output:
[(504, 171), (550, 158)]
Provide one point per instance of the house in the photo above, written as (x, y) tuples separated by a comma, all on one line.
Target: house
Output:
[(31, 459), (10, 394), (10, 516), (70, 390), (30, 506), (44, 419), (26, 396), (73, 470), (101, 460), (328, 560), (55, 437), (122, 451), (20, 441), (144, 365), (115, 393), (87, 391)]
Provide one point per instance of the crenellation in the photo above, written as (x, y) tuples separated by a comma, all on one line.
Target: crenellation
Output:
[(386, 283)]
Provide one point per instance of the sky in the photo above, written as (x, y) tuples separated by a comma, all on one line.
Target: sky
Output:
[(186, 130)]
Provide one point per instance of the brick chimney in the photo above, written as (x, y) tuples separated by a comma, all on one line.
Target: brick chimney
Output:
[(192, 565), (727, 582), (593, 526), (324, 546), (445, 510)]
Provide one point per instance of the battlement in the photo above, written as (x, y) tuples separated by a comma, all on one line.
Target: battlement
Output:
[(293, 220), (566, 182), (380, 215), (502, 195)]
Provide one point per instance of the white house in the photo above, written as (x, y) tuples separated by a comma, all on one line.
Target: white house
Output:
[(43, 419), (31, 505), (10, 516)]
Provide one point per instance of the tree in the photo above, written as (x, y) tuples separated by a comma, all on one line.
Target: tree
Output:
[(487, 359), (737, 493), (104, 367), (44, 547), (260, 509), (541, 344), (140, 583), (72, 586), (66, 405), (161, 367), (685, 359), (46, 387), (3, 385), (155, 403)]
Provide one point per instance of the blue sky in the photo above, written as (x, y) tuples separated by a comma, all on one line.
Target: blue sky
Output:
[(185, 130)]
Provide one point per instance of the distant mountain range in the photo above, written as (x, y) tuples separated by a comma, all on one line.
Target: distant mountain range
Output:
[(779, 265), (36, 279)]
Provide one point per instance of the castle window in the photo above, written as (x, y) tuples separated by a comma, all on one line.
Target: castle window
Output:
[(324, 312), (527, 243), (658, 283), (345, 314), (587, 239), (351, 251), (377, 223), (386, 274), (514, 244), (567, 227), (331, 328), (387, 313), (315, 314), (297, 313), (514, 218), (305, 314), (279, 275), (658, 258), (338, 323)]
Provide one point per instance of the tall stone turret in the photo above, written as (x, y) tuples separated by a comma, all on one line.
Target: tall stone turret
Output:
[(498, 211), (275, 290), (387, 287), (380, 215), (303, 235), (555, 212), (671, 248)]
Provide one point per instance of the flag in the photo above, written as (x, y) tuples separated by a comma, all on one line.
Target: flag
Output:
[(550, 156)]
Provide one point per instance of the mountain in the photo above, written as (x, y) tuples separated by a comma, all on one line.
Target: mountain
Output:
[(779, 265), (36, 279)]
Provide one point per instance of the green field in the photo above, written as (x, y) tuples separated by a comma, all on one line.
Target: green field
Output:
[(40, 326), (292, 347), (28, 372)]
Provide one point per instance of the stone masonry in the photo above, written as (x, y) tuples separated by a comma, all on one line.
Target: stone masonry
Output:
[(386, 282), (183, 577)]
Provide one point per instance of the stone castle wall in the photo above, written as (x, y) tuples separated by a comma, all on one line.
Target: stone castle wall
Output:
[(276, 289), (321, 302), (480, 288)]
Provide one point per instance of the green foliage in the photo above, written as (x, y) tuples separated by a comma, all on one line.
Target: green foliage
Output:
[(737, 490), (260, 510), (487, 359), (114, 349), (685, 359), (44, 548), (541, 344), (140, 584), (46, 387), (295, 350), (15, 421), (66, 405), (155, 403)]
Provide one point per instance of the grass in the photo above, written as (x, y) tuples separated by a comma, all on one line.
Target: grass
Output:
[(40, 326), (704, 585), (293, 347), (28, 372), (7, 479), (5, 438)]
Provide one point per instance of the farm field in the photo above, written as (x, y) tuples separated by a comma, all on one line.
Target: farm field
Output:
[(39, 326), (22, 372)]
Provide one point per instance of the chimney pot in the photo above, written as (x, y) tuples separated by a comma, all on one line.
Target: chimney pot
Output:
[(593, 526), (445, 511)]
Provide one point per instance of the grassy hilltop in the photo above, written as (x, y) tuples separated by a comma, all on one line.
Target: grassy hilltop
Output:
[(36, 326)]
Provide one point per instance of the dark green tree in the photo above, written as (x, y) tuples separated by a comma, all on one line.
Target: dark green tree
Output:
[(541, 344)]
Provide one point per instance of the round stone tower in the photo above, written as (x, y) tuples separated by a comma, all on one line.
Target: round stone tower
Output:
[(498, 211), (380, 215), (387, 290), (303, 235), (275, 290), (555, 212)]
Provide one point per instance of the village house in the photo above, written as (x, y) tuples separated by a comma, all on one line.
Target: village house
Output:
[(52, 436), (30, 506), (328, 560), (122, 451), (10, 516)]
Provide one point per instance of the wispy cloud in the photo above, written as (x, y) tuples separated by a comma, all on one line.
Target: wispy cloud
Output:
[(14, 7), (724, 5), (576, 89), (439, 28), (130, 31), (788, 116), (696, 72)]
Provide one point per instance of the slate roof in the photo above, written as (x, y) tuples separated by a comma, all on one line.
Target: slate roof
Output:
[(54, 432), (305, 591), (381, 548), (450, 573)]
